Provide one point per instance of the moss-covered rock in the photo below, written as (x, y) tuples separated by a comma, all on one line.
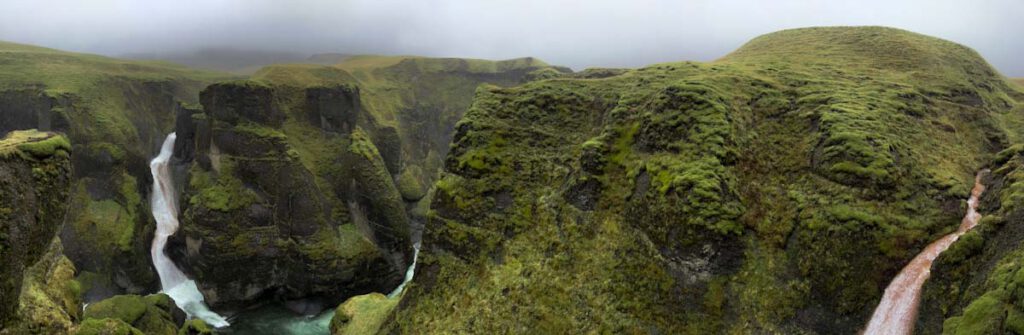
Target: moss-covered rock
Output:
[(153, 314), (50, 296), (35, 174), (410, 183), (364, 314), (106, 327), (195, 327), (385, 215), (254, 204)]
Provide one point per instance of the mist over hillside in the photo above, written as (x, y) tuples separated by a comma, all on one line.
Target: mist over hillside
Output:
[(599, 33), (236, 60)]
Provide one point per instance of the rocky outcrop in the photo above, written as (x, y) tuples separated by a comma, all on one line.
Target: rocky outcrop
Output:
[(35, 174), (32, 108), (334, 109), (364, 314), (258, 221), (151, 315)]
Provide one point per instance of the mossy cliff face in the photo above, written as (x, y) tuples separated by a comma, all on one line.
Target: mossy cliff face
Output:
[(36, 289), (301, 181), (976, 285), (408, 105), (116, 113), (776, 190), (258, 221)]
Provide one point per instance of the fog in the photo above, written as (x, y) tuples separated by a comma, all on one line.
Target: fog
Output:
[(575, 33)]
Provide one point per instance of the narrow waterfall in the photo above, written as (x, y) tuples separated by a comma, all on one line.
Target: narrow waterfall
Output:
[(896, 314), (173, 282), (408, 273)]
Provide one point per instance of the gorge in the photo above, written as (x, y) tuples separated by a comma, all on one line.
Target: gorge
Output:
[(810, 182)]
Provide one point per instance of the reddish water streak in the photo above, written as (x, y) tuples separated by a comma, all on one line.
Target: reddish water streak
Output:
[(896, 314)]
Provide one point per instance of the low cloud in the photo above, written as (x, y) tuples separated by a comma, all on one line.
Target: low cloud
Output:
[(576, 33)]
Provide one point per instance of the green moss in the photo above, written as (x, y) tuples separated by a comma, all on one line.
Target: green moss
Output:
[(983, 316), (226, 195), (112, 224), (35, 143), (47, 147), (195, 327), (363, 314), (127, 308), (106, 327), (410, 183), (50, 296), (150, 314), (259, 130), (362, 145)]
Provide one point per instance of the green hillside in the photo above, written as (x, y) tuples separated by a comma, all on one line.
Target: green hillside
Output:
[(776, 190)]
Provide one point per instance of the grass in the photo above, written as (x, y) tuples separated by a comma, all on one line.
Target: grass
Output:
[(35, 144)]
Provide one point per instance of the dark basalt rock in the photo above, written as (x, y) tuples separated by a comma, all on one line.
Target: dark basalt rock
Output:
[(31, 108), (242, 100), (255, 223), (33, 200), (333, 108)]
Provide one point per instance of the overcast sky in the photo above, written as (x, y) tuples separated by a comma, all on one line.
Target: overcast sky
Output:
[(576, 33)]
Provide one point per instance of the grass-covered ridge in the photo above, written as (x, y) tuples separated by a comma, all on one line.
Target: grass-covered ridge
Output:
[(776, 190), (34, 143)]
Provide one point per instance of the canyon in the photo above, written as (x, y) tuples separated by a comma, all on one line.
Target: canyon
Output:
[(812, 181)]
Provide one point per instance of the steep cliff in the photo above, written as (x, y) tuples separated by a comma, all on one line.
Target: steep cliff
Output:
[(37, 291), (776, 190), (301, 183)]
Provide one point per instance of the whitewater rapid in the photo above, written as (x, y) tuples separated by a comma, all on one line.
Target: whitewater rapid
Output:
[(173, 282), (896, 314)]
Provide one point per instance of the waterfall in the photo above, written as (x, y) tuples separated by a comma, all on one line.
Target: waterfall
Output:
[(173, 282), (896, 314), (408, 273)]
